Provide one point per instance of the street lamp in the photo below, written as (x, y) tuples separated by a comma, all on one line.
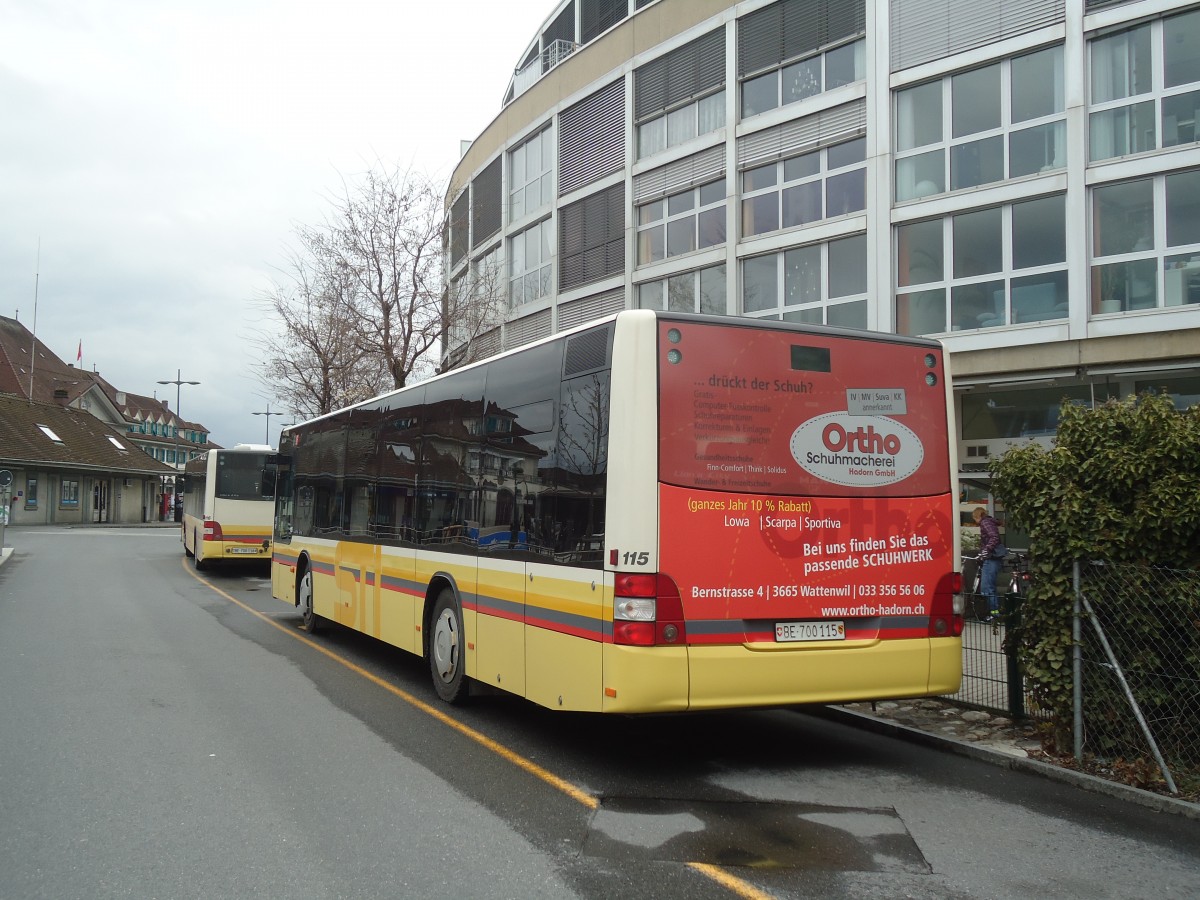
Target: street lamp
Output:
[(268, 414), (178, 382)]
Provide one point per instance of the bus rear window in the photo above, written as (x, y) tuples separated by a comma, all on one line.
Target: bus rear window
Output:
[(800, 413), (244, 477)]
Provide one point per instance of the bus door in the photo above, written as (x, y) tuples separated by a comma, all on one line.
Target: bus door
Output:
[(389, 434), (520, 419)]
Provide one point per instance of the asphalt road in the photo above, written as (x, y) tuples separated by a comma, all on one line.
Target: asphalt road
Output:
[(169, 735)]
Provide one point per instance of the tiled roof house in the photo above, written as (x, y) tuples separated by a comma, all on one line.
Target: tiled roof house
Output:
[(80, 450), (70, 467)]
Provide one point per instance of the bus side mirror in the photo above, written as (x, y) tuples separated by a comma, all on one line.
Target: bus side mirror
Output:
[(183, 484)]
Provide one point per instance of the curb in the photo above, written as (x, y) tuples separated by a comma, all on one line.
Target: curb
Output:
[(1082, 780)]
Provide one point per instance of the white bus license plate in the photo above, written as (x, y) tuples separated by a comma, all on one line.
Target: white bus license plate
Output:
[(243, 550), (810, 631)]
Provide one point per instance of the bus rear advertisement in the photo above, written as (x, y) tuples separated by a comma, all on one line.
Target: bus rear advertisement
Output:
[(654, 512), (812, 493)]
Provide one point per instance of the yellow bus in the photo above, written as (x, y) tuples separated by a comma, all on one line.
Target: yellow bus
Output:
[(228, 504), (655, 512)]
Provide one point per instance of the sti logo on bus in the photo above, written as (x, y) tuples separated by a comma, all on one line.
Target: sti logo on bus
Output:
[(857, 451)]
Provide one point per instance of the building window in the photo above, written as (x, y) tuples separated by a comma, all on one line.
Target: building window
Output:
[(531, 168), (70, 493), (31, 493), (680, 95), (701, 291), (983, 268), (1146, 243), (805, 189), (805, 78), (1145, 87), (682, 124), (682, 222), (795, 49), (530, 255), (1005, 120), (816, 284)]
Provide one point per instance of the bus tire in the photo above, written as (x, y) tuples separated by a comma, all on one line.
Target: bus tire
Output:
[(199, 564), (446, 663), (187, 550), (309, 620)]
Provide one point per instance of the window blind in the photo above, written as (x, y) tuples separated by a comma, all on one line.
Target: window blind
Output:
[(591, 238), (486, 203), (686, 72), (591, 141), (927, 30), (830, 126)]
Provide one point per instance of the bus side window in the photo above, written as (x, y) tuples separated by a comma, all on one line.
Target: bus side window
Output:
[(450, 490), (582, 470), (520, 424)]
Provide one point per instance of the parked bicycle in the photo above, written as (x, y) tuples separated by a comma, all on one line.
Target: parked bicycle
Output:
[(1016, 567), (1018, 563)]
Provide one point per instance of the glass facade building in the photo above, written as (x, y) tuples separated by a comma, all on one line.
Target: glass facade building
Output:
[(1018, 178)]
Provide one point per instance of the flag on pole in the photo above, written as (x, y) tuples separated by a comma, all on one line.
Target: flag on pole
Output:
[(79, 355)]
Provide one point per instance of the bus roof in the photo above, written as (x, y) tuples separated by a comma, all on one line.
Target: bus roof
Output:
[(726, 321)]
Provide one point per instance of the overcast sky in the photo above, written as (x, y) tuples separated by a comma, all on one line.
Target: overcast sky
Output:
[(162, 152)]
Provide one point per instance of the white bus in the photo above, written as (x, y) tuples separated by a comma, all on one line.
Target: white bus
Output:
[(652, 513), (228, 505)]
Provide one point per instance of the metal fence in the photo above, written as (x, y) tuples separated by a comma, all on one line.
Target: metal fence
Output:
[(1137, 667), (991, 674)]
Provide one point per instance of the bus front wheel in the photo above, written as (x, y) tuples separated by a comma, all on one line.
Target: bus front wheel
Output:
[(309, 620), (446, 662)]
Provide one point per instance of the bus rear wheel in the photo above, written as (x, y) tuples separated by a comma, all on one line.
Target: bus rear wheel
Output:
[(446, 663), (309, 620)]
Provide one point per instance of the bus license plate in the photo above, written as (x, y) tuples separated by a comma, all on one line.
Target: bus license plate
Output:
[(243, 550), (810, 631)]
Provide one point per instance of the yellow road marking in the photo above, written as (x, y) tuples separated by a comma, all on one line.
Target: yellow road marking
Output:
[(720, 876)]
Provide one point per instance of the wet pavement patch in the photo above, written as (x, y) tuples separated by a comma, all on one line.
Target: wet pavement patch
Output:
[(762, 835)]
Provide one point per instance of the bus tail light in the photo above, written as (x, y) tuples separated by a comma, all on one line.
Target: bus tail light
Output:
[(647, 611), (946, 610), (212, 531)]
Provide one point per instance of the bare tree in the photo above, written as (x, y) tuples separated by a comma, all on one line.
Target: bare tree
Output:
[(370, 311), (311, 360), (474, 303)]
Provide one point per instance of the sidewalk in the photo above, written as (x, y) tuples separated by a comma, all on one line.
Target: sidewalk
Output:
[(988, 738)]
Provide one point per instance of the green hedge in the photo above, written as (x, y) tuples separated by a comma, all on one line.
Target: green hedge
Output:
[(1121, 485)]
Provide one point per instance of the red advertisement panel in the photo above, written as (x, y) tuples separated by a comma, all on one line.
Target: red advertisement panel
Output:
[(747, 562), (800, 413), (805, 478)]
